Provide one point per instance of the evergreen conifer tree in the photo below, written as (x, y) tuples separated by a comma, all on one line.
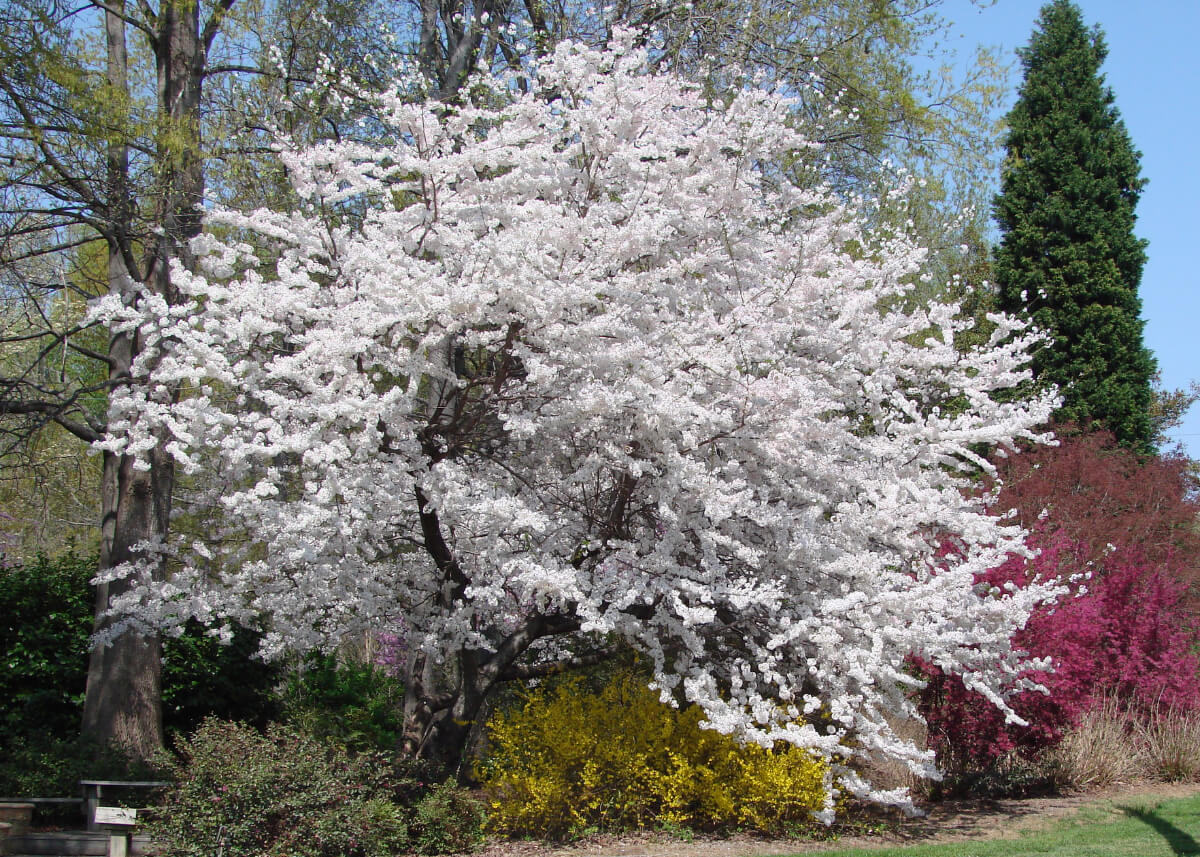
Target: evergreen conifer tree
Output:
[(1069, 258)]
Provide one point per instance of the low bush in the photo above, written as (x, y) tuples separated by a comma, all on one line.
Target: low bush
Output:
[(243, 793), (568, 760), (446, 820), (1123, 633)]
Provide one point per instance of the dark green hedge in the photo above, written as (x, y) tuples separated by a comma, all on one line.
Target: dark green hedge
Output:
[(46, 608)]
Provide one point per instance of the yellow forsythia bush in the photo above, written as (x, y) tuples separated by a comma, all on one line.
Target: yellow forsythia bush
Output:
[(568, 760)]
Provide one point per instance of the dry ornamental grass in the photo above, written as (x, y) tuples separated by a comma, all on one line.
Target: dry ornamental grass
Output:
[(1110, 746)]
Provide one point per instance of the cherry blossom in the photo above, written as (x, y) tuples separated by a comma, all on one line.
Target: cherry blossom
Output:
[(552, 373)]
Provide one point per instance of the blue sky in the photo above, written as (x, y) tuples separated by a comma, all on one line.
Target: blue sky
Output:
[(1153, 68)]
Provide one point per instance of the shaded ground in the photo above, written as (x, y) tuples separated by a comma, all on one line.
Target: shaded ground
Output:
[(946, 822)]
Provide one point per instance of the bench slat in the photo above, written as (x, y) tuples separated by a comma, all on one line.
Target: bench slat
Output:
[(115, 816)]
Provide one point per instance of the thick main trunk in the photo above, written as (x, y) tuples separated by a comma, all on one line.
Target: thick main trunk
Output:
[(445, 701), (123, 700), (442, 705)]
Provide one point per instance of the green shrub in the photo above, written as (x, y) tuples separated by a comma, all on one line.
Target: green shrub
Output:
[(203, 677), (357, 704), (569, 760), (447, 820), (49, 766), (45, 624), (45, 627), (244, 793), (46, 610)]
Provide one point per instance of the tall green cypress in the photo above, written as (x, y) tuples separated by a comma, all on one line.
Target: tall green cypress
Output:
[(1069, 259)]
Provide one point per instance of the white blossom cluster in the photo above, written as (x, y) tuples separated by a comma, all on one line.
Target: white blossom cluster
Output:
[(595, 342)]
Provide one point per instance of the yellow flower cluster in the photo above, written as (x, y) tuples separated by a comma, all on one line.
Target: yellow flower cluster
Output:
[(569, 760)]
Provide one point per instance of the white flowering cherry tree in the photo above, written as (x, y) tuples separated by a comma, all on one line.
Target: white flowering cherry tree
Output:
[(531, 381)]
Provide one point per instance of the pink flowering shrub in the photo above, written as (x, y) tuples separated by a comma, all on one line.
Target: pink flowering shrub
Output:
[(1120, 528), (1101, 495), (392, 654), (1121, 632)]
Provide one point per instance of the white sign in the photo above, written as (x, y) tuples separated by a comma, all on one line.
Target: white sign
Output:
[(116, 815)]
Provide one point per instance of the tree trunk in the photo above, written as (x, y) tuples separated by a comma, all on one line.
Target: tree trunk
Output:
[(438, 725), (444, 702), (123, 702)]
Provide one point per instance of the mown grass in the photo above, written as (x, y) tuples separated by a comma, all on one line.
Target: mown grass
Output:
[(1137, 827)]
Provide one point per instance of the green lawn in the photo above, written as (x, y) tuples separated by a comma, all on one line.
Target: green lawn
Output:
[(1137, 827)]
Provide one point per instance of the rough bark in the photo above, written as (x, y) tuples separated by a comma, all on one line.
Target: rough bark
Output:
[(444, 702), (123, 699)]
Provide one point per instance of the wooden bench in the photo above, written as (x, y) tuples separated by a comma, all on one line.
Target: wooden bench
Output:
[(119, 821), (47, 802), (93, 793), (17, 814)]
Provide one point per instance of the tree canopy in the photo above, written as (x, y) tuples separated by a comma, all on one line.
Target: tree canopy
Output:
[(584, 368), (1068, 257)]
